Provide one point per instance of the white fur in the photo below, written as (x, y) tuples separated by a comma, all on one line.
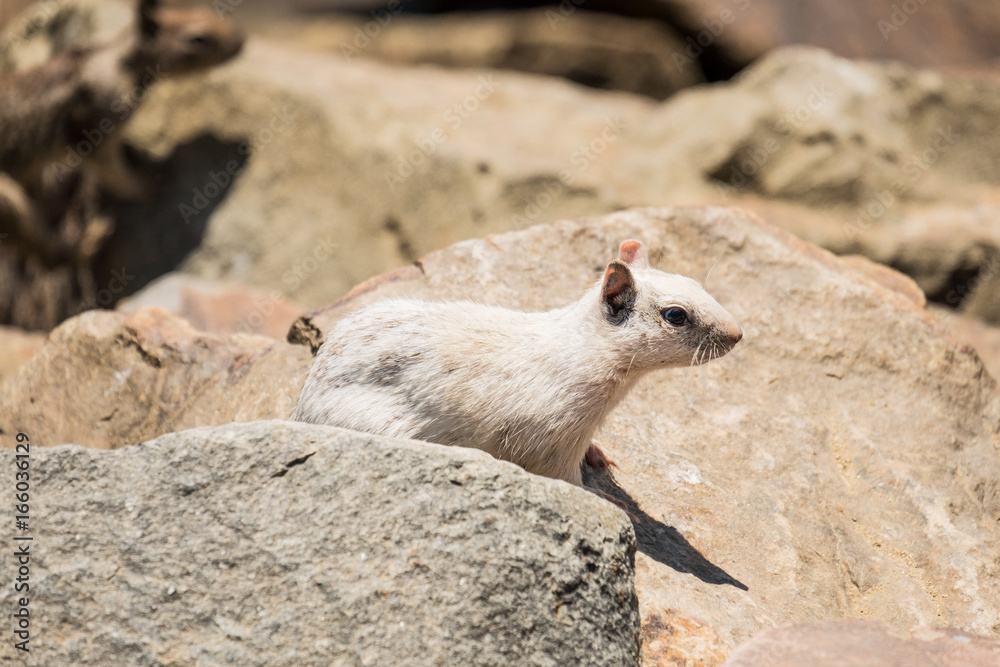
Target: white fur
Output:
[(531, 388)]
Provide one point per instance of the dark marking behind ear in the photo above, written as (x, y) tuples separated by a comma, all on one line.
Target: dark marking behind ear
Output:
[(618, 292)]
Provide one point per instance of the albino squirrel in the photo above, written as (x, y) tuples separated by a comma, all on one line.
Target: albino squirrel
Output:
[(530, 388)]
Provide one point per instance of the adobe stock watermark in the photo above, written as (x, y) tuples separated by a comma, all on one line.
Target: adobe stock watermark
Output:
[(901, 13), (93, 137), (987, 271), (714, 27), (106, 297), (754, 158), (293, 278), (40, 15), (363, 35), (913, 169), (408, 163), (281, 121), (581, 159)]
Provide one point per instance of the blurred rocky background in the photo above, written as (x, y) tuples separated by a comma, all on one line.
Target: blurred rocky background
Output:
[(842, 463)]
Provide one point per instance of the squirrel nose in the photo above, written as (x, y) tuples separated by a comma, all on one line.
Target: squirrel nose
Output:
[(733, 331)]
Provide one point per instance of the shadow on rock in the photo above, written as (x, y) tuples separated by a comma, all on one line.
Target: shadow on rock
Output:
[(154, 237), (661, 542)]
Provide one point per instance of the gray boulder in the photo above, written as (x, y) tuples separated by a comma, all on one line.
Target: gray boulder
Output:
[(278, 543)]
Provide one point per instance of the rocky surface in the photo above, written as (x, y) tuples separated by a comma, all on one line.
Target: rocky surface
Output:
[(107, 379), (927, 34), (594, 49), (217, 307), (46, 29), (984, 339), (865, 644), (819, 146), (374, 166), (277, 543), (722, 36), (843, 461), (16, 347), (790, 480)]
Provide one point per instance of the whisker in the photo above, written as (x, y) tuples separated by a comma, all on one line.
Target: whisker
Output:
[(694, 356), (630, 364), (705, 281)]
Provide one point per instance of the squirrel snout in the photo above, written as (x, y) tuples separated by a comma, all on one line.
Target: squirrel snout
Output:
[(730, 331)]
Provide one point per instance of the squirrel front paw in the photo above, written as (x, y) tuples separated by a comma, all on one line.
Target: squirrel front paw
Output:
[(595, 458)]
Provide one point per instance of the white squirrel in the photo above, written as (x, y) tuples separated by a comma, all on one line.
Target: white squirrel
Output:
[(530, 388)]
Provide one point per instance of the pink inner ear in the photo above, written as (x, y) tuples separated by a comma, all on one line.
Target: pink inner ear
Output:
[(633, 253), (616, 280)]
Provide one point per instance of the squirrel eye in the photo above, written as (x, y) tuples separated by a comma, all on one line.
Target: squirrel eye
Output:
[(675, 316)]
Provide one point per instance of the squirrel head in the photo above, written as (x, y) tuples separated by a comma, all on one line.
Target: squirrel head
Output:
[(180, 40), (661, 319)]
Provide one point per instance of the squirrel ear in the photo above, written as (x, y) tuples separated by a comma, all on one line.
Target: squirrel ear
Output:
[(148, 25), (618, 291), (634, 254)]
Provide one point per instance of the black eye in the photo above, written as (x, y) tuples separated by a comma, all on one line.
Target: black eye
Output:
[(675, 316)]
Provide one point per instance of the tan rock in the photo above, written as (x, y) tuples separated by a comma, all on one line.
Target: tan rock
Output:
[(886, 277), (852, 643), (107, 379), (951, 250), (16, 347), (843, 460), (983, 338), (217, 307), (393, 165)]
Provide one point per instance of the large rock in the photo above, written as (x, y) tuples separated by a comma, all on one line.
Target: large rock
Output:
[(277, 543), (355, 155), (372, 166), (843, 460), (107, 379)]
